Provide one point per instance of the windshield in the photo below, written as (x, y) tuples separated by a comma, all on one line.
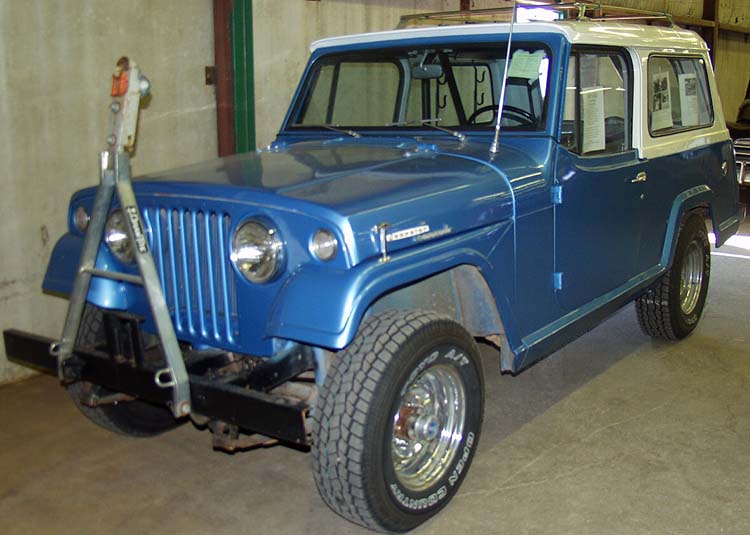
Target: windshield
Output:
[(449, 87)]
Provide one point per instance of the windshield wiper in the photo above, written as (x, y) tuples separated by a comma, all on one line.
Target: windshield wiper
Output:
[(428, 122), (339, 130)]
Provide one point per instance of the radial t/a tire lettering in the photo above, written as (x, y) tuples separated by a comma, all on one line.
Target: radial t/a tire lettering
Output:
[(397, 421)]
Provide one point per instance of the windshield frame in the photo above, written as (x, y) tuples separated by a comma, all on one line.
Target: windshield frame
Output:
[(360, 54)]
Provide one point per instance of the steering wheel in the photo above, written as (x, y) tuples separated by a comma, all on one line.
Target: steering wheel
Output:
[(520, 115)]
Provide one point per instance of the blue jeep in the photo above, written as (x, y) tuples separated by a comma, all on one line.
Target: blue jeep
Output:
[(429, 187)]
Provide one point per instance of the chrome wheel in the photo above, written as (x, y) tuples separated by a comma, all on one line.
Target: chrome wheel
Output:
[(397, 421), (428, 427), (691, 278)]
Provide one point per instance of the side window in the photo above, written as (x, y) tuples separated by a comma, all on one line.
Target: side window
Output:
[(597, 114), (678, 96)]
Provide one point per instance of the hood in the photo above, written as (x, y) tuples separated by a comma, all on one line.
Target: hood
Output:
[(356, 184)]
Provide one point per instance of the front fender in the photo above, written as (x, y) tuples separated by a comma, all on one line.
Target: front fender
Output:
[(324, 307), (63, 264), (63, 267)]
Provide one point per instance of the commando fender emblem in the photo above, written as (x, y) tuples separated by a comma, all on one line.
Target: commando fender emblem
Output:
[(419, 233), (435, 233), (407, 233)]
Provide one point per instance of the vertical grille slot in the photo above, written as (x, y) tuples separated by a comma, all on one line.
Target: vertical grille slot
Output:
[(190, 253)]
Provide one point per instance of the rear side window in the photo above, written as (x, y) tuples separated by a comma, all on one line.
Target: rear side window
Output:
[(678, 96), (597, 114)]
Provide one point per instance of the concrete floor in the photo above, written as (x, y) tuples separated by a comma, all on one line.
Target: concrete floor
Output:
[(613, 434)]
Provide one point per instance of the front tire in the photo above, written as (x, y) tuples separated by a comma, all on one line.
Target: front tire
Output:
[(135, 418), (398, 420), (673, 307)]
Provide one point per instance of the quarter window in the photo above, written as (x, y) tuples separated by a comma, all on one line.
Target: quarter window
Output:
[(678, 96), (597, 114)]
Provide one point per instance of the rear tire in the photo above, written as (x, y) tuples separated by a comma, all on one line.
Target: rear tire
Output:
[(135, 418), (673, 307), (398, 419)]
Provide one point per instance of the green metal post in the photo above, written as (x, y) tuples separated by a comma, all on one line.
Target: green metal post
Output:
[(244, 78)]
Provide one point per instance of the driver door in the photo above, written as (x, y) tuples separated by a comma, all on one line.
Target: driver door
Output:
[(601, 180)]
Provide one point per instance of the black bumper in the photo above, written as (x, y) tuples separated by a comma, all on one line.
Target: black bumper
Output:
[(250, 410)]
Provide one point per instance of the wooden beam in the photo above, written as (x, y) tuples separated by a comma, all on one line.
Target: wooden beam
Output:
[(692, 21), (711, 12), (224, 78), (736, 28)]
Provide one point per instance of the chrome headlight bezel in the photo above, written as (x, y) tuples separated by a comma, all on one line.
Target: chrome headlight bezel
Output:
[(257, 250), (324, 245), (81, 219), (117, 239)]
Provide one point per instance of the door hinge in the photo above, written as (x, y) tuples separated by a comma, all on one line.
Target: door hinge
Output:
[(556, 193), (557, 280)]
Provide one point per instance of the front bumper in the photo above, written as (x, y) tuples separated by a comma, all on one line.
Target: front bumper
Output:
[(214, 397), (743, 173)]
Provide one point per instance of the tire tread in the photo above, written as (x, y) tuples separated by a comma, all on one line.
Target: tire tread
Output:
[(344, 402), (654, 309)]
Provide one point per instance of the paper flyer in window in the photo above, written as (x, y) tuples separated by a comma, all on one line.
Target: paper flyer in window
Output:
[(688, 99), (661, 104), (525, 64), (592, 102)]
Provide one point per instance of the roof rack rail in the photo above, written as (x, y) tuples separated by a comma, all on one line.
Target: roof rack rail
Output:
[(566, 11)]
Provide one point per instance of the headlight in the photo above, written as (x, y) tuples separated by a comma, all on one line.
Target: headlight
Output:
[(116, 237), (81, 219), (257, 251), (324, 245)]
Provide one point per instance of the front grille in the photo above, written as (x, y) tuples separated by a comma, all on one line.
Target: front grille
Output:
[(189, 249), (742, 149)]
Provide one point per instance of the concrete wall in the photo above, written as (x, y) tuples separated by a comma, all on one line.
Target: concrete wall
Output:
[(56, 59)]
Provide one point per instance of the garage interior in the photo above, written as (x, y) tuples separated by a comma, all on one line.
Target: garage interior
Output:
[(615, 433)]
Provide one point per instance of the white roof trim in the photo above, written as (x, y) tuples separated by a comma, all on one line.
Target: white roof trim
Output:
[(600, 33)]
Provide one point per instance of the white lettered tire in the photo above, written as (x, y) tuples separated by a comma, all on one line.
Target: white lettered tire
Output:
[(398, 419)]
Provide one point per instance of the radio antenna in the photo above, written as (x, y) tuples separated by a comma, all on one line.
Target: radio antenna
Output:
[(495, 147)]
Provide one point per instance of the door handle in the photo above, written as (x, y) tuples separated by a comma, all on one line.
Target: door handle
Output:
[(640, 177)]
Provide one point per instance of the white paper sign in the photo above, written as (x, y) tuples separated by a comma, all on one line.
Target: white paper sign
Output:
[(661, 102), (524, 64), (592, 101), (688, 99)]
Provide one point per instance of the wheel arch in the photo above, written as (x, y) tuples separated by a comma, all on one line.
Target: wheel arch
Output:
[(461, 293), (698, 199)]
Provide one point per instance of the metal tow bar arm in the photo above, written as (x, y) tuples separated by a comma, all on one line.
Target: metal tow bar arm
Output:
[(128, 86)]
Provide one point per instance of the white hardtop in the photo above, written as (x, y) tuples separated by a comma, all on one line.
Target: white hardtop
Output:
[(578, 32)]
